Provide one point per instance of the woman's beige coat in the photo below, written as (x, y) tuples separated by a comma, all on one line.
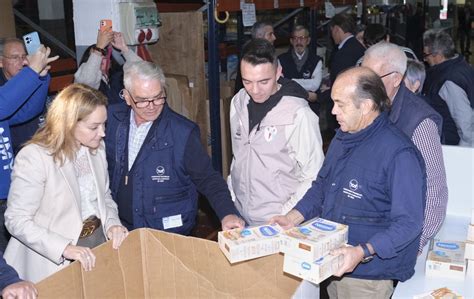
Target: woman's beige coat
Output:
[(44, 210)]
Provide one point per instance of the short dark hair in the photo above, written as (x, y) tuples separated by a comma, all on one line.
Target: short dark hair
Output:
[(344, 21), (258, 27), (374, 33), (370, 86), (259, 51)]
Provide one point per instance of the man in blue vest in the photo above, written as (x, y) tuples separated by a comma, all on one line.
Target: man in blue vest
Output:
[(421, 123), (450, 86), (300, 65), (156, 161), (11, 286), (372, 180)]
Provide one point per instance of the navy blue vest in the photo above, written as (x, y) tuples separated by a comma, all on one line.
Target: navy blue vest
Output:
[(289, 66), (409, 110), (461, 73)]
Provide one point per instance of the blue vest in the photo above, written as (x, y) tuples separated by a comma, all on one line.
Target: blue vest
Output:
[(289, 66), (161, 187), (408, 111), (461, 73)]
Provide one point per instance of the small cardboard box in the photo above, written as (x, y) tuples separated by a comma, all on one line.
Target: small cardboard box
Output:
[(470, 233), (446, 259), (155, 264), (441, 293), (314, 239), (249, 243), (315, 271), (469, 251)]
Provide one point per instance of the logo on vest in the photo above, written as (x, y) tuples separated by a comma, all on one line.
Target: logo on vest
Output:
[(160, 177), (270, 133), (351, 191)]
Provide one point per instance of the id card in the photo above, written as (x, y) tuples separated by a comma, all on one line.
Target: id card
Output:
[(172, 221)]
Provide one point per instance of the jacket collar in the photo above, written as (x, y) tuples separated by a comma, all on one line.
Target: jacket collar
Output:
[(350, 140), (397, 103)]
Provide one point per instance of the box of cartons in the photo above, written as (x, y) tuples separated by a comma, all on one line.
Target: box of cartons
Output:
[(441, 293), (446, 259), (250, 242), (469, 250), (314, 239), (470, 233), (315, 271), (155, 264)]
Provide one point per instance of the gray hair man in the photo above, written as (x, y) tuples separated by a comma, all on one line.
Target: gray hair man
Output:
[(157, 163), (420, 123), (450, 85), (359, 185), (263, 30), (415, 76)]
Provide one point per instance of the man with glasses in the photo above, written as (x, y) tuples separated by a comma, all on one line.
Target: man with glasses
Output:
[(24, 85), (412, 115), (300, 65), (157, 163), (450, 86)]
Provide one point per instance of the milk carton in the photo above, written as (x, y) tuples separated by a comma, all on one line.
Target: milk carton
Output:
[(314, 239), (315, 271), (446, 259), (441, 293), (251, 242)]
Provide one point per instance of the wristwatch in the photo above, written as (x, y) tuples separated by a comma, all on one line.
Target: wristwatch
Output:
[(367, 255), (102, 51)]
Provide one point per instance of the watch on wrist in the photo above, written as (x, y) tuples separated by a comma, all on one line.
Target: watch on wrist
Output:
[(102, 51), (367, 255)]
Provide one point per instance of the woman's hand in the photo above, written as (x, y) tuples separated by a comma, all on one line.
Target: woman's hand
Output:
[(119, 42), (104, 38), (81, 254), (117, 233)]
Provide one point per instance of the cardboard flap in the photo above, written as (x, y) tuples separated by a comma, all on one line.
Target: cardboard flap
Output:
[(155, 264)]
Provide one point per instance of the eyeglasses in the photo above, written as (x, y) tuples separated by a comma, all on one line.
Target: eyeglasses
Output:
[(387, 74), (299, 38), (158, 100), (426, 55), (16, 57)]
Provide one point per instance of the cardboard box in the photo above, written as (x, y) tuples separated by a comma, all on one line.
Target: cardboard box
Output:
[(469, 250), (314, 239), (470, 269), (315, 271), (249, 243), (441, 293), (470, 233), (154, 264), (446, 259)]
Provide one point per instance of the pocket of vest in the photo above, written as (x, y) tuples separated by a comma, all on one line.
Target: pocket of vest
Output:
[(377, 221), (171, 197)]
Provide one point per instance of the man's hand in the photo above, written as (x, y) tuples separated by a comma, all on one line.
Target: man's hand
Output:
[(117, 233), (119, 42), (352, 258), (312, 97), (39, 61), (20, 290), (232, 221), (283, 221)]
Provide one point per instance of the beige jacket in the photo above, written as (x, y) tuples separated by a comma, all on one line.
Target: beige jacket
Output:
[(274, 166), (44, 210)]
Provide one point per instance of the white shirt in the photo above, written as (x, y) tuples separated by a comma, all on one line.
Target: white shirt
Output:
[(136, 137)]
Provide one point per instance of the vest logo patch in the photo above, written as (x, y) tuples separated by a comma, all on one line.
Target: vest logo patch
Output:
[(270, 133), (351, 191), (160, 177)]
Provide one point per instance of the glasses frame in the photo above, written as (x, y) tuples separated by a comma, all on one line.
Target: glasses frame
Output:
[(299, 38), (145, 103), (426, 55), (388, 74), (16, 57)]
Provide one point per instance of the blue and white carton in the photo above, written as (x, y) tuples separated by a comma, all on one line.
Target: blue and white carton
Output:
[(314, 239), (250, 242), (446, 259), (315, 271)]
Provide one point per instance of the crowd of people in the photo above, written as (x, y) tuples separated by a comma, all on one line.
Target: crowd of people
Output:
[(77, 183)]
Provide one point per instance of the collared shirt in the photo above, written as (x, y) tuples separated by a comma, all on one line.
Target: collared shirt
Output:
[(136, 137), (341, 44), (300, 56)]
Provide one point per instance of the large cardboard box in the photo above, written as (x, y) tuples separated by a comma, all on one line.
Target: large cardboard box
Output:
[(446, 259), (314, 239), (154, 264), (250, 242)]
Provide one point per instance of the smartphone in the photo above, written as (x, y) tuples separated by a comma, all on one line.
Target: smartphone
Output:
[(105, 25), (32, 42)]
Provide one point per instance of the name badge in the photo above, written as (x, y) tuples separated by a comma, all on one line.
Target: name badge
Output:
[(172, 221)]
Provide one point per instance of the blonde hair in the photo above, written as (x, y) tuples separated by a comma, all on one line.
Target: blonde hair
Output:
[(71, 105)]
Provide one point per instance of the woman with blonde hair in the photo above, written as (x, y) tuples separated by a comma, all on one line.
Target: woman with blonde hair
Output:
[(59, 204)]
